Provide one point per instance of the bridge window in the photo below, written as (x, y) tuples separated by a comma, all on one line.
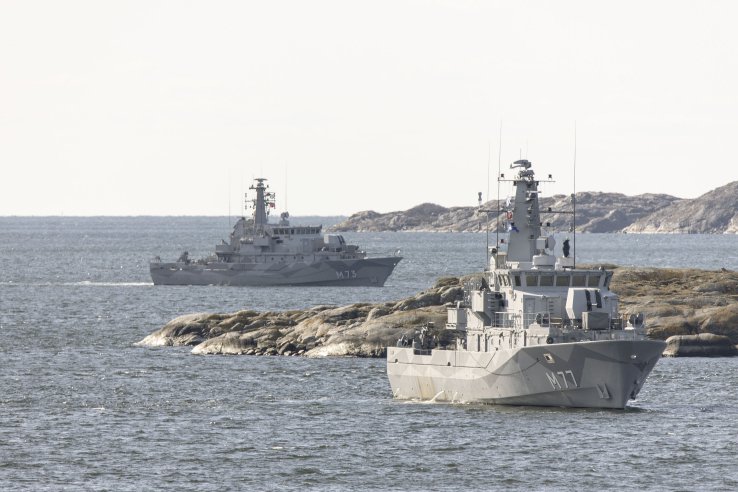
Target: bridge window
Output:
[(593, 281), (517, 280), (531, 280), (562, 280), (578, 280), (547, 280)]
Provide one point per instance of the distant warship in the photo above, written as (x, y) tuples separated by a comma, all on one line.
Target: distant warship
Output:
[(263, 254), (535, 330)]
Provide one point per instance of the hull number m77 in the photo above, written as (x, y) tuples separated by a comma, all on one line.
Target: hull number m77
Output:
[(562, 379)]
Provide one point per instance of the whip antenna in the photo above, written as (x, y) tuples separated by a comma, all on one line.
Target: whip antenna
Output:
[(499, 160), (574, 196), (489, 159)]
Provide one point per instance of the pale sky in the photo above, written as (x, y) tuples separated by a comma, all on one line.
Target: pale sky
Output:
[(172, 107)]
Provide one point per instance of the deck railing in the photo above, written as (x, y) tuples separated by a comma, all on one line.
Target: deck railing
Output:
[(519, 320)]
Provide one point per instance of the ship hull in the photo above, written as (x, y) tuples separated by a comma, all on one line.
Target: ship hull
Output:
[(359, 272), (598, 374)]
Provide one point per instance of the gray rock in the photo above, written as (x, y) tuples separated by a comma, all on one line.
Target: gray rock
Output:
[(675, 301), (713, 212), (286, 348), (702, 345), (230, 343)]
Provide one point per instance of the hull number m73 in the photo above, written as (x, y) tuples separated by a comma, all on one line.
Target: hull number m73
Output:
[(561, 380), (346, 274)]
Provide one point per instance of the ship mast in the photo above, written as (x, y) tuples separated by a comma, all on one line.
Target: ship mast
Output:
[(525, 226), (523, 214), (262, 203)]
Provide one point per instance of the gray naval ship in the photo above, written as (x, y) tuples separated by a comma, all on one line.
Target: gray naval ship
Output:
[(535, 330), (263, 254)]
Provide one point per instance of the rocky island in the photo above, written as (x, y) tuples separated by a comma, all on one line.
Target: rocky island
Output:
[(713, 212), (676, 302)]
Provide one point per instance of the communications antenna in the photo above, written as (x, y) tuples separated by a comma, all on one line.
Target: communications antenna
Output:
[(574, 196), (499, 163), (489, 159)]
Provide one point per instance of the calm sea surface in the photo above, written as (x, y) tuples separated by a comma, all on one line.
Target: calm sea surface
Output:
[(81, 408)]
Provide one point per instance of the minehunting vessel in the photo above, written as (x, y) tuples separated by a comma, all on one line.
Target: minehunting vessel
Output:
[(535, 330), (263, 254)]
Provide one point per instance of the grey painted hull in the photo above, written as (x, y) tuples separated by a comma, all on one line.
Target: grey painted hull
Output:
[(599, 374), (358, 272)]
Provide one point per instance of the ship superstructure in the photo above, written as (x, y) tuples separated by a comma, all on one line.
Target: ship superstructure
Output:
[(261, 254), (534, 330)]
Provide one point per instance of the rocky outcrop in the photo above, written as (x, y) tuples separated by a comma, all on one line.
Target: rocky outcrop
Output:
[(713, 212), (702, 345), (424, 217), (603, 212), (362, 330), (681, 301), (675, 302), (596, 212)]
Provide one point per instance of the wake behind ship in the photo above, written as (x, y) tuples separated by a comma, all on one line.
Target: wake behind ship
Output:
[(263, 254), (535, 330)]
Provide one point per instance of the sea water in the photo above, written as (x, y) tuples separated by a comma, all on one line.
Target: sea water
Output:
[(82, 408)]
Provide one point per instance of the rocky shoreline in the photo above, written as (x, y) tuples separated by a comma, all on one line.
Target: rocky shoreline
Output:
[(675, 302), (597, 212), (702, 345)]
